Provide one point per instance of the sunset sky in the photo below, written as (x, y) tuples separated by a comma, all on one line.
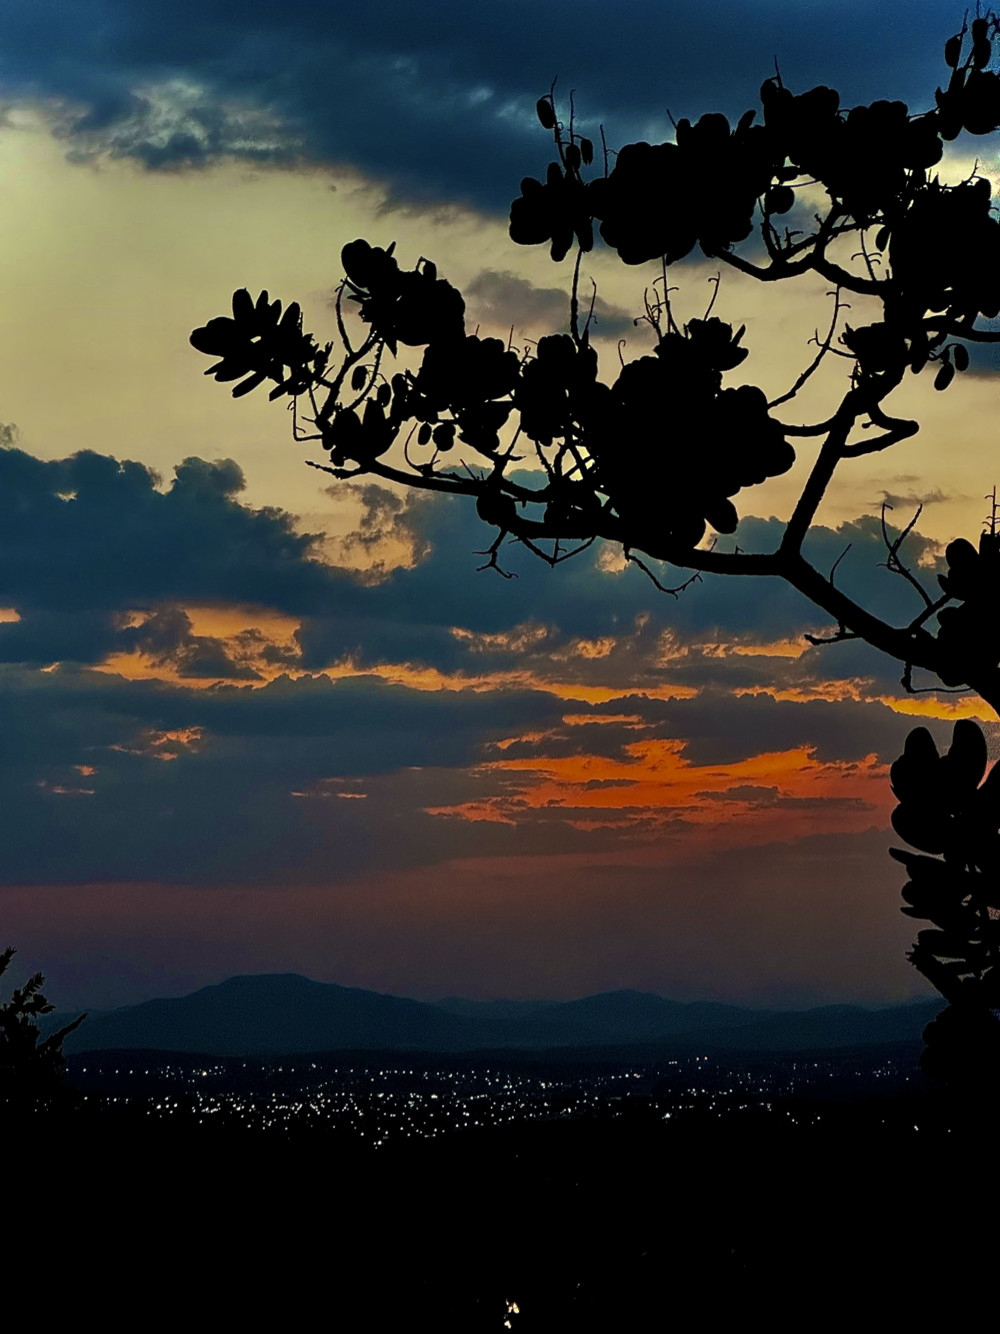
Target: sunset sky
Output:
[(250, 722)]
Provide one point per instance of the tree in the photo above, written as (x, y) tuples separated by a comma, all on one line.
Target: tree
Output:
[(654, 458), (30, 1066)]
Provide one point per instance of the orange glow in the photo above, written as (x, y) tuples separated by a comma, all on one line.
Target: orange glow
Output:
[(62, 790), (925, 706), (780, 794), (781, 648), (223, 622), (244, 631), (430, 678), (968, 707), (519, 639), (167, 745), (580, 719), (587, 648)]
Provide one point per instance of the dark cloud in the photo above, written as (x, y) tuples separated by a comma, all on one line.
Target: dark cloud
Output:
[(413, 610), (914, 499), (168, 639), (744, 792), (984, 358), (721, 728), (96, 558), (386, 522), (308, 779), (227, 784), (436, 100), (87, 538), (505, 301)]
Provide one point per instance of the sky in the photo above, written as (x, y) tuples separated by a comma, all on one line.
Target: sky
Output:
[(251, 722)]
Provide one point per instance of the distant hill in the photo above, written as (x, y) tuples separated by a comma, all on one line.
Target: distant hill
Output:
[(285, 1013)]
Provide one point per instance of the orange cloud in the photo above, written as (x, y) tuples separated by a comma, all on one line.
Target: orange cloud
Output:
[(655, 792)]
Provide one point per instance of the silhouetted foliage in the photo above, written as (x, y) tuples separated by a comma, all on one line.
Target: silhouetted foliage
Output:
[(654, 456), (947, 809), (30, 1066)]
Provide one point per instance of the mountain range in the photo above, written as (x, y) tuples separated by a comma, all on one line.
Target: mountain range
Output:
[(284, 1013)]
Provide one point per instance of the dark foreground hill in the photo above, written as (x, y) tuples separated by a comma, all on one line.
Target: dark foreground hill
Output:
[(818, 1220), (286, 1013)]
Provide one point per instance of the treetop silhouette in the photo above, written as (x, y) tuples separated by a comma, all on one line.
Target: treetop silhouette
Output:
[(656, 453), (30, 1066)]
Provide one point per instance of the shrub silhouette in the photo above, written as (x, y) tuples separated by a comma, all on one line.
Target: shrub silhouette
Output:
[(30, 1066), (657, 453)]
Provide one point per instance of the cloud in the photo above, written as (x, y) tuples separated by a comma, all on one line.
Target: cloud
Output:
[(97, 559), (214, 786), (167, 638), (743, 792), (428, 99), (250, 780), (86, 538), (590, 621), (914, 499), (505, 301)]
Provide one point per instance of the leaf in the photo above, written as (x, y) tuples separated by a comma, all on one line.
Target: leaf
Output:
[(243, 309), (546, 113), (216, 337), (291, 319), (966, 760), (250, 384)]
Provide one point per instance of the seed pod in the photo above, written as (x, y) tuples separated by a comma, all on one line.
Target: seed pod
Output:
[(383, 395), (586, 152), (424, 434), (953, 50), (546, 113), (945, 375), (960, 356), (981, 52), (495, 508), (358, 377), (779, 199), (967, 757), (573, 157), (444, 436), (980, 27), (882, 238)]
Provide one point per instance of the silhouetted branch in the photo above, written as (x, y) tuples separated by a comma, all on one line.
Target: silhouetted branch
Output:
[(824, 348), (673, 592)]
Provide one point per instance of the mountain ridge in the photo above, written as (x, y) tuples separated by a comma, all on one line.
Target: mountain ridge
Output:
[(287, 1013)]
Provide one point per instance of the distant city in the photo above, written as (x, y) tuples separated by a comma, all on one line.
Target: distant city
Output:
[(378, 1100), (287, 1056)]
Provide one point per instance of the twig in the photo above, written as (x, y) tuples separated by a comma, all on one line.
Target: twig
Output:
[(893, 562), (824, 347), (842, 634), (674, 592), (492, 563)]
